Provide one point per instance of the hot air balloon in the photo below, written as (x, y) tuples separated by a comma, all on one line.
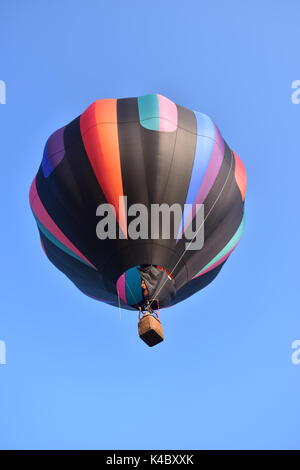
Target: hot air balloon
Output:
[(145, 151)]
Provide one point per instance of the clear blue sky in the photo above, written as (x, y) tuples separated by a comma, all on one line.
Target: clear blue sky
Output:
[(77, 376)]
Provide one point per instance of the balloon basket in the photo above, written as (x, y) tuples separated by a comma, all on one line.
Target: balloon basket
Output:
[(150, 330)]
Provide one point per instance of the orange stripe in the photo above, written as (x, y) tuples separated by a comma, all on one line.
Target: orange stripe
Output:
[(240, 175), (99, 130)]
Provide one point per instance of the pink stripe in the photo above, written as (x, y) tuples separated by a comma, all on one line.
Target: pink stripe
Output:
[(214, 166), (168, 114), (49, 224), (121, 288)]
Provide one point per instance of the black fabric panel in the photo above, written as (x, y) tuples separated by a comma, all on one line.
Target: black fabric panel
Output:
[(87, 278), (156, 168), (133, 164), (223, 197), (71, 195), (195, 285), (223, 213), (179, 175), (216, 242), (89, 281)]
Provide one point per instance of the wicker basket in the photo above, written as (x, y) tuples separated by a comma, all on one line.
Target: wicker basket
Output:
[(150, 330)]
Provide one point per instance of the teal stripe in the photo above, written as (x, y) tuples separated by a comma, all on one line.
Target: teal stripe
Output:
[(133, 286), (56, 242), (232, 242), (149, 111)]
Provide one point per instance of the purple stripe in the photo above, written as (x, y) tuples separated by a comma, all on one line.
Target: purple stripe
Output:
[(213, 168), (206, 131), (54, 152)]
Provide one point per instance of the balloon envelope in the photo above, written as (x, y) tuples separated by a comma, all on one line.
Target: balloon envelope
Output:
[(152, 151)]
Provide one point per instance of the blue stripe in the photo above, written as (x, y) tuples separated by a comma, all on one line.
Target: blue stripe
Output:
[(204, 146), (133, 286), (149, 111)]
